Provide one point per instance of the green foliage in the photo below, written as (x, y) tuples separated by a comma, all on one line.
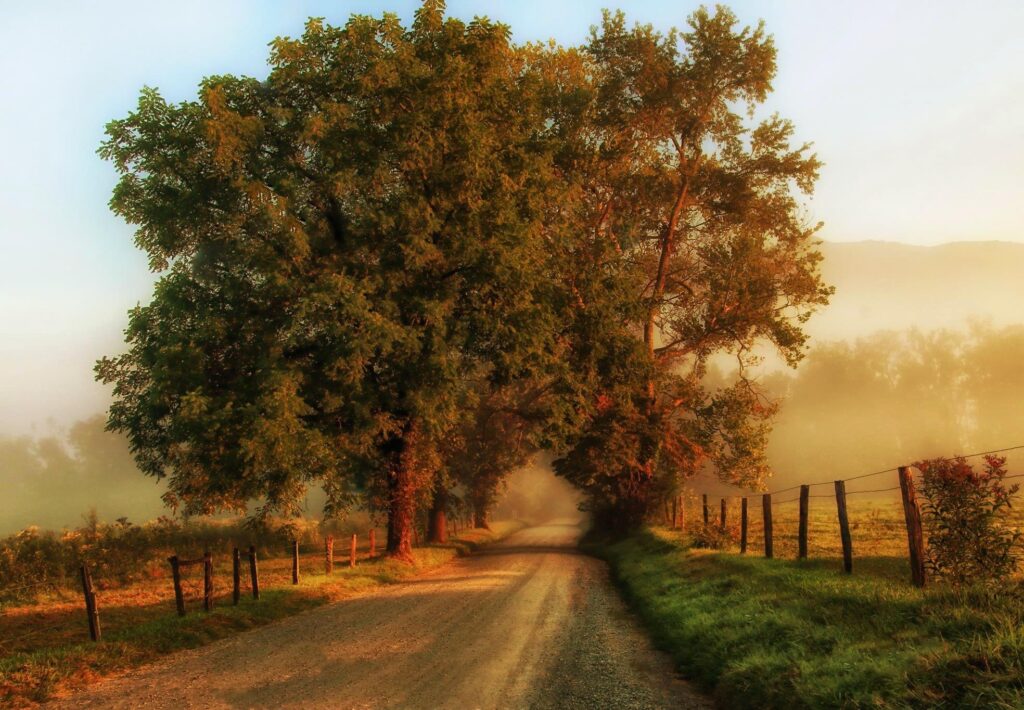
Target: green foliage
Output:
[(693, 228), (775, 634), (397, 215), (965, 516), (344, 245)]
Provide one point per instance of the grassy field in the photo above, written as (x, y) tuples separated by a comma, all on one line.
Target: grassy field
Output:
[(45, 649), (790, 634)]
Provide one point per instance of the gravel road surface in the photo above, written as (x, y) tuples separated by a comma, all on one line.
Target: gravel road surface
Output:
[(525, 623)]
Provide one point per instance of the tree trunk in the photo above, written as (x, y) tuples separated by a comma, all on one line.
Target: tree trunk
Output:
[(437, 525), (480, 514), (401, 495)]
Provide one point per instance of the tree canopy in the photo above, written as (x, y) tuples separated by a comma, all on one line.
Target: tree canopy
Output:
[(692, 206), (343, 245), (402, 223)]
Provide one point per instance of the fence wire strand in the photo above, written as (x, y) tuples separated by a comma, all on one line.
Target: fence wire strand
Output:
[(876, 473), (874, 490)]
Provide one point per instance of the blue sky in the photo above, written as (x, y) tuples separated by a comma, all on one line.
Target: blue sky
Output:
[(917, 109)]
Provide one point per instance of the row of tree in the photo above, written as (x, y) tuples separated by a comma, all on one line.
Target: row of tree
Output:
[(411, 256), (896, 397)]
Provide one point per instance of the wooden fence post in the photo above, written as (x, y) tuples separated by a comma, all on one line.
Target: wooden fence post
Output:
[(352, 552), (743, 526), (254, 576), (705, 499), (373, 542), (766, 503), (722, 520), (329, 555), (90, 604), (236, 573), (179, 598), (805, 492), (207, 581), (915, 534), (844, 526), (295, 561)]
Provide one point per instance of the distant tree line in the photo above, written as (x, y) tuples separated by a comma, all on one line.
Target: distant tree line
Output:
[(411, 256), (896, 397), (52, 480)]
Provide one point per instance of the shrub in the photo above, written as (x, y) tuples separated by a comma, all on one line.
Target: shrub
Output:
[(34, 561), (965, 516), (711, 536)]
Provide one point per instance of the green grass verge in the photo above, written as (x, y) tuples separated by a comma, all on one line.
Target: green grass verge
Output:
[(785, 634), (32, 677)]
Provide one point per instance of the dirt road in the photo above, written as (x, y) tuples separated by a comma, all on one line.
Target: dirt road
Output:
[(526, 623)]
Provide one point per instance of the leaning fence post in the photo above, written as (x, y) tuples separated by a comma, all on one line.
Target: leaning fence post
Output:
[(236, 582), (329, 555), (352, 551), (207, 581), (295, 561), (915, 535), (743, 526), (179, 599), (766, 503), (254, 576), (373, 542), (722, 521), (90, 604), (705, 498), (805, 492), (844, 526)]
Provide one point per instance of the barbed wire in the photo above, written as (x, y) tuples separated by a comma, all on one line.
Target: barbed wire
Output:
[(53, 583), (874, 473), (874, 490)]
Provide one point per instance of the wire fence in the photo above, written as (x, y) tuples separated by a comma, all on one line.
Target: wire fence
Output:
[(189, 585), (791, 522)]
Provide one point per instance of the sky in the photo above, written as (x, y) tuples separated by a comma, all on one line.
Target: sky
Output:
[(916, 108)]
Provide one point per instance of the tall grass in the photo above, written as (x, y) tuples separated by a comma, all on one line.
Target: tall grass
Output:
[(802, 634)]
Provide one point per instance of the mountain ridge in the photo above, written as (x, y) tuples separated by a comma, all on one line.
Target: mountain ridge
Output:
[(883, 285)]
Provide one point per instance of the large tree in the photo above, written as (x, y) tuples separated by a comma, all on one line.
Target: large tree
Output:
[(689, 208), (342, 245)]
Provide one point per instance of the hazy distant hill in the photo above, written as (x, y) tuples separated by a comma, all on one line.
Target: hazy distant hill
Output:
[(885, 285)]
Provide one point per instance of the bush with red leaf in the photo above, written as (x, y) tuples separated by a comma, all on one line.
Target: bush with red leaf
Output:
[(965, 516)]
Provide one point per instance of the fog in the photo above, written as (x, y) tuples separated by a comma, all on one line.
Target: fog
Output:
[(921, 354), (898, 397), (52, 480), (535, 493)]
